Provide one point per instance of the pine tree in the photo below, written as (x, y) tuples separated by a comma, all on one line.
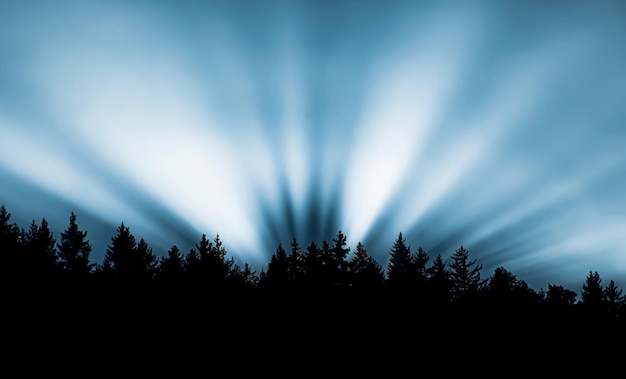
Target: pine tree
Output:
[(127, 260), (313, 265), (117, 257), (296, 262), (9, 233), (214, 268), (10, 254), (465, 274), (504, 288), (147, 262), (419, 262), (337, 263), (74, 250), (592, 292), (592, 296), (612, 293), (219, 265), (399, 267), (243, 279), (192, 262), (40, 250), (326, 276), (250, 276), (364, 271), (172, 267), (277, 274), (559, 298), (439, 283), (613, 297)]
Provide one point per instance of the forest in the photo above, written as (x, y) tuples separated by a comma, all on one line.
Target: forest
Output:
[(302, 290)]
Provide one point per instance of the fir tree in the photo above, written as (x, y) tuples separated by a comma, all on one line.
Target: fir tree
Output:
[(74, 250), (277, 274), (10, 254), (364, 270), (172, 266), (296, 262), (399, 267), (40, 250), (439, 283), (337, 265), (127, 260), (592, 292), (465, 274)]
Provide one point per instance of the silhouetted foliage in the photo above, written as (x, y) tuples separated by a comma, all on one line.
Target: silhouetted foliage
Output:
[(277, 274), (313, 266), (9, 245), (440, 283), (505, 290), (364, 271), (400, 266), (314, 285), (613, 297), (337, 264), (74, 250), (592, 294), (217, 265), (296, 263), (129, 261), (612, 293), (243, 279), (466, 276), (171, 268), (559, 297), (39, 247), (420, 260)]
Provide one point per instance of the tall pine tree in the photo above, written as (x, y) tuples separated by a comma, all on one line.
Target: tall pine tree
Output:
[(74, 250), (364, 271), (466, 275), (399, 267), (40, 251)]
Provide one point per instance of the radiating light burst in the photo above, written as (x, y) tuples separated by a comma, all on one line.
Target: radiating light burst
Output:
[(495, 126)]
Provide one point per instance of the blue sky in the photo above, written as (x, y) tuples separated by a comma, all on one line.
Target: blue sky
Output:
[(499, 126)]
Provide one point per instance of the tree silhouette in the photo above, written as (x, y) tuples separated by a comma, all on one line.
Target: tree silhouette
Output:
[(326, 286), (74, 250), (466, 275), (400, 266), (218, 266), (277, 274), (243, 279), (613, 296), (337, 264), (420, 260), (127, 260), (612, 293), (171, 268), (364, 271), (313, 266), (296, 263), (213, 268), (505, 290), (40, 250), (592, 294), (147, 262), (192, 264), (10, 257), (440, 283), (560, 297)]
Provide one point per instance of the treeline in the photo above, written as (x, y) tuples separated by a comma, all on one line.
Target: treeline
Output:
[(35, 265)]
